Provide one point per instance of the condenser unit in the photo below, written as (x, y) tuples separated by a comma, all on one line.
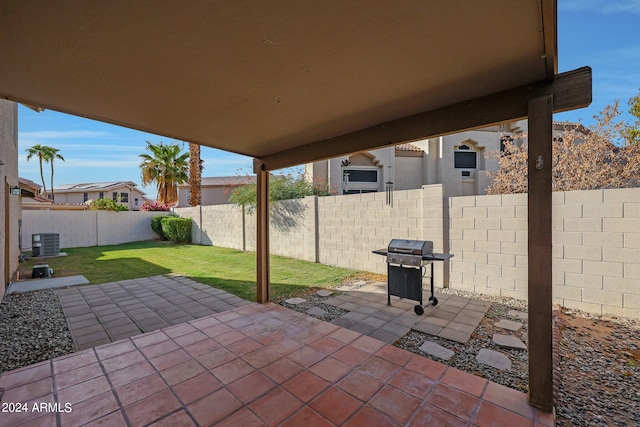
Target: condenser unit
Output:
[(45, 244)]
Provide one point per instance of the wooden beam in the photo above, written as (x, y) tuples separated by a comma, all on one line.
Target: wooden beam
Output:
[(262, 237), (539, 247), (549, 11), (570, 90)]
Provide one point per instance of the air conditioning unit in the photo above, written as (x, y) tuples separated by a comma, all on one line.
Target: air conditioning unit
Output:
[(45, 244)]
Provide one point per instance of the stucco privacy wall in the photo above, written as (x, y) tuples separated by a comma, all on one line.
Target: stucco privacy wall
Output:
[(88, 228), (596, 239)]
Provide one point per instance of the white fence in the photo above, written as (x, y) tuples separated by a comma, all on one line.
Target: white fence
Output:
[(87, 228)]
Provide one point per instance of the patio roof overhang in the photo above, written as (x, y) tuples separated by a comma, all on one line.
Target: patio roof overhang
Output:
[(289, 82), (261, 78)]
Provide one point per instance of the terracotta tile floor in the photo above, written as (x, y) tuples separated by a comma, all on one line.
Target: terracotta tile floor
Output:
[(256, 365)]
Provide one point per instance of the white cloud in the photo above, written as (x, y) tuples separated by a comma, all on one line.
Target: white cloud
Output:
[(66, 134), (93, 163), (604, 6), (89, 146)]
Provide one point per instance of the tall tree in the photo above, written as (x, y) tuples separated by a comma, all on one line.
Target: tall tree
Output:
[(39, 151), (605, 155), (167, 168), (50, 154), (195, 175), (632, 132)]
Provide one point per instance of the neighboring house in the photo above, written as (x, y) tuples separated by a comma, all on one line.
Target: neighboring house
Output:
[(124, 192), (215, 190), (31, 196), (457, 161), (10, 212)]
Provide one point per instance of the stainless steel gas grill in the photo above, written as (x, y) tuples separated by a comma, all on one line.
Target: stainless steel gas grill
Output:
[(406, 266)]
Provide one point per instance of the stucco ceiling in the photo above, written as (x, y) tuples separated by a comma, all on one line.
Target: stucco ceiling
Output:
[(258, 77)]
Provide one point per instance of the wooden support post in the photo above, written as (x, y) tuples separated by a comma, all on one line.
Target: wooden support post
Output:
[(262, 238), (539, 246)]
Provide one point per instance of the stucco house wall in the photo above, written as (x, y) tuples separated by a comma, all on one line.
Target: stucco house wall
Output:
[(76, 196), (10, 212), (214, 190), (426, 162)]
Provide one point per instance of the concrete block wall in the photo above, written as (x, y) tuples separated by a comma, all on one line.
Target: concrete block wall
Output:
[(292, 227), (338, 230), (596, 238), (488, 237), (88, 228), (352, 226)]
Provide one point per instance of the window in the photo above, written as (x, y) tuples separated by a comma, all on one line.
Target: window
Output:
[(121, 198), (464, 158), (136, 202), (360, 180), (357, 175), (85, 197), (101, 196)]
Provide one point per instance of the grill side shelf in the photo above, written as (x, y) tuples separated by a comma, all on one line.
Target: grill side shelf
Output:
[(429, 257)]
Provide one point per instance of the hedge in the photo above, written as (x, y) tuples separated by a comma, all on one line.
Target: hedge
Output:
[(176, 229), (156, 226)]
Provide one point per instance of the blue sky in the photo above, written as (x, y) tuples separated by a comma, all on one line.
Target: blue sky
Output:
[(598, 33)]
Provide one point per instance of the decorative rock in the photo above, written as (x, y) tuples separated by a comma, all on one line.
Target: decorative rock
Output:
[(316, 311), (295, 301), (518, 314), (324, 293), (508, 341), (495, 359), (436, 350), (509, 325)]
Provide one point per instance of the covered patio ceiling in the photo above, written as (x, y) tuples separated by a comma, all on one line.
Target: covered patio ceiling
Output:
[(262, 77)]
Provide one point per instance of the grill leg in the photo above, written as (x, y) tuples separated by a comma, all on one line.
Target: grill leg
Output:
[(388, 286)]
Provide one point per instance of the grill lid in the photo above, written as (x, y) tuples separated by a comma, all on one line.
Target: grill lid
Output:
[(413, 247)]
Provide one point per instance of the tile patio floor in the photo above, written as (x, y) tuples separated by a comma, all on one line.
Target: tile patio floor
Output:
[(100, 314), (258, 365), (454, 318)]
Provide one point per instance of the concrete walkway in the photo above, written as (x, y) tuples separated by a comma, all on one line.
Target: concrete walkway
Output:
[(454, 318), (50, 283), (104, 313)]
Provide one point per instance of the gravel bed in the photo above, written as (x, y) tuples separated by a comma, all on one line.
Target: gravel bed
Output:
[(465, 354), (32, 329), (600, 371), (314, 300)]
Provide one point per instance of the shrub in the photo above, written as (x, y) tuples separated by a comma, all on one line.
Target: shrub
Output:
[(156, 226), (150, 206), (107, 205), (177, 229)]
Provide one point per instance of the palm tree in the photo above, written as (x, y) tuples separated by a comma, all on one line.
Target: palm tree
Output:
[(50, 154), (195, 174), (166, 167), (40, 152)]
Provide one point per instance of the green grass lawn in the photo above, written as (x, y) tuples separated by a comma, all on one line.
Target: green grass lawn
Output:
[(228, 269)]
